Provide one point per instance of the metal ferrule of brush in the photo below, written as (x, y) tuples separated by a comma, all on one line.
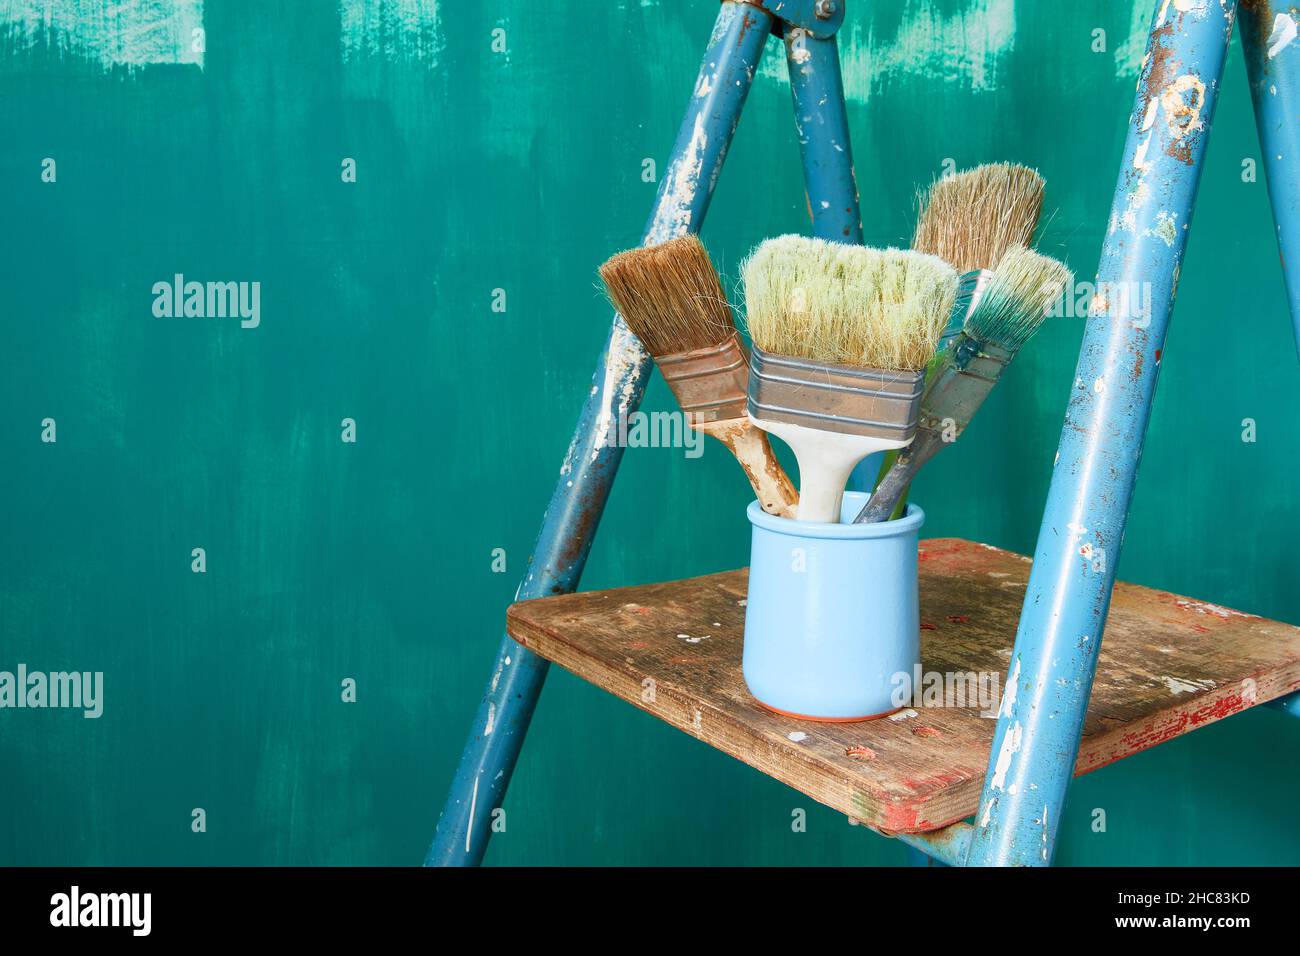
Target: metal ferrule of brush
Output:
[(962, 381), (709, 383), (877, 403), (970, 289)]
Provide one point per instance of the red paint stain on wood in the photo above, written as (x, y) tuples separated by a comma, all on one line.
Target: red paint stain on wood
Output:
[(901, 819), (1218, 709)]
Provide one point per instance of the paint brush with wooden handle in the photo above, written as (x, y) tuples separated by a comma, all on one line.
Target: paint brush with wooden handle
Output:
[(1022, 288), (670, 297), (842, 336)]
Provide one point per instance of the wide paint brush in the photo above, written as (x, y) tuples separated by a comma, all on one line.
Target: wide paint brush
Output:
[(970, 219), (842, 336), (670, 297), (1022, 288)]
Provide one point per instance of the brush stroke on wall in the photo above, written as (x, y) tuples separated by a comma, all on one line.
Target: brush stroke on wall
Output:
[(1129, 53), (966, 46), (394, 29), (130, 33)]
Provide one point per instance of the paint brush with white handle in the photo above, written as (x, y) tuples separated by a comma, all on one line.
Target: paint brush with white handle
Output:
[(670, 297), (842, 336), (1023, 287)]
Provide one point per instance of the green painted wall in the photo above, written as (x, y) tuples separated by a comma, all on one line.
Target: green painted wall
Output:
[(519, 171)]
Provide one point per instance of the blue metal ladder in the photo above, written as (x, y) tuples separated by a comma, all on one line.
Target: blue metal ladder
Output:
[(1059, 637)]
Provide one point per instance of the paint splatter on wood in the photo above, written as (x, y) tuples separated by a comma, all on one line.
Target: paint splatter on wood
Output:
[(923, 767)]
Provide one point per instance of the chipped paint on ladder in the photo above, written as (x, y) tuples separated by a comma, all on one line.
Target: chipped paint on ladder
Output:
[(1284, 31), (1009, 694), (1010, 747), (1066, 603), (623, 362), (683, 179), (473, 804)]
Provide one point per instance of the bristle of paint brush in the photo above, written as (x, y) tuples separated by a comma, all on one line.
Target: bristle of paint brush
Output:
[(1019, 293), (841, 336), (972, 218), (847, 305), (1021, 290), (1012, 308), (670, 296)]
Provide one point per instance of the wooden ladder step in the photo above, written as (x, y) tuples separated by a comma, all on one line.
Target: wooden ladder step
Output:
[(1168, 665)]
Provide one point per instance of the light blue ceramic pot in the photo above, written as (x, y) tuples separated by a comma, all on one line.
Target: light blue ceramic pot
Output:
[(832, 618)]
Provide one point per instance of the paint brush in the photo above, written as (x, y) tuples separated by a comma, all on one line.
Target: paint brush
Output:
[(971, 219), (670, 296), (1012, 308), (842, 336)]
